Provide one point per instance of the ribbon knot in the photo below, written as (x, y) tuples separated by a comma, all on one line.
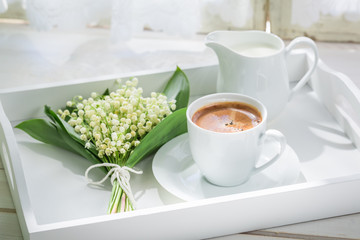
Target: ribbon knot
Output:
[(121, 174)]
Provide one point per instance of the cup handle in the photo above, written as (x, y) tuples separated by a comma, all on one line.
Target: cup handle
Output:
[(277, 136), (310, 43)]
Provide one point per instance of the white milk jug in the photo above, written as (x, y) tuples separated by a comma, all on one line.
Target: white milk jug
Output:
[(254, 63)]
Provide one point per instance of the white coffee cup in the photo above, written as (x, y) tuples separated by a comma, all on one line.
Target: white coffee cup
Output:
[(229, 159), (254, 63)]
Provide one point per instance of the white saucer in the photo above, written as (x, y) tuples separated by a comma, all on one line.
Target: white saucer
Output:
[(175, 170)]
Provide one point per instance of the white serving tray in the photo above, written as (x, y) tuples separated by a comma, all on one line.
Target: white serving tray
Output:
[(53, 200)]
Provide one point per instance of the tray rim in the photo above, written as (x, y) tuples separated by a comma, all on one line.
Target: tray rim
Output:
[(21, 198)]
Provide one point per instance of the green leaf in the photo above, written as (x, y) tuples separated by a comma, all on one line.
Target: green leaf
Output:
[(62, 123), (48, 133), (79, 148), (106, 93), (69, 130), (58, 133), (43, 131), (172, 126), (178, 88)]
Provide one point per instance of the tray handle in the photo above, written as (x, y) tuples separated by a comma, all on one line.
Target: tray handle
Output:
[(341, 97), (5, 149), (9, 154)]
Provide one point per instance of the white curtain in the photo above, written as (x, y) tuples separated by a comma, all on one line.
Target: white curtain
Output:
[(307, 12), (128, 17), (185, 17)]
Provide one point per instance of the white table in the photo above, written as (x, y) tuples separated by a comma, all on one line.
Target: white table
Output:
[(28, 57)]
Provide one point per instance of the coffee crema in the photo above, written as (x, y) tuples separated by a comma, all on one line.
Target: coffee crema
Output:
[(227, 117)]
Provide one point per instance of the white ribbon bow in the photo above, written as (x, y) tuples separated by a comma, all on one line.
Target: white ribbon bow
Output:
[(121, 174)]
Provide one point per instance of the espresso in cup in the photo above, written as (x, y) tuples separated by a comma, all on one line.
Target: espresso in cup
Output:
[(227, 117), (226, 134)]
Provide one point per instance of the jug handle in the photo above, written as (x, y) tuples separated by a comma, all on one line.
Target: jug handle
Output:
[(310, 43)]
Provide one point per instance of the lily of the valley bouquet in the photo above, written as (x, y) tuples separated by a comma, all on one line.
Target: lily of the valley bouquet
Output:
[(115, 130)]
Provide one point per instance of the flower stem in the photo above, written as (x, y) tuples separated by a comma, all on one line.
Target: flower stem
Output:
[(119, 201)]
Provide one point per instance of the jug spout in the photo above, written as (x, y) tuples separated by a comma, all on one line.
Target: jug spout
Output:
[(220, 42), (212, 41), (216, 47)]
